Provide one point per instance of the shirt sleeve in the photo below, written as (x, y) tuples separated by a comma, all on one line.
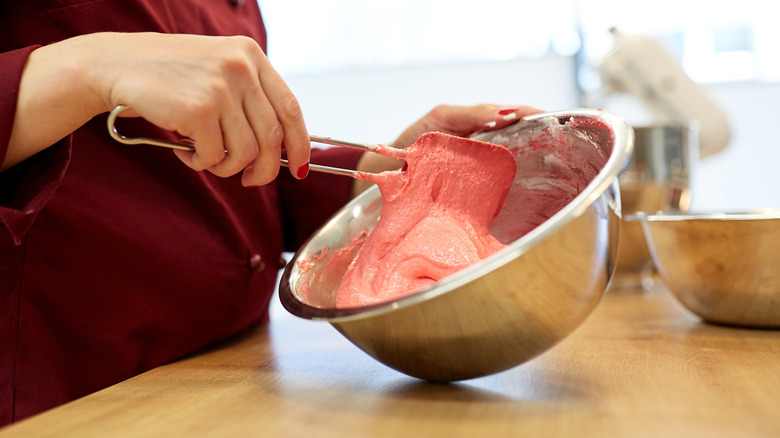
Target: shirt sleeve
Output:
[(306, 204), (27, 187)]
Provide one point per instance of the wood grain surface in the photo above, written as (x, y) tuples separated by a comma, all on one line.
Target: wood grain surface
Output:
[(640, 366)]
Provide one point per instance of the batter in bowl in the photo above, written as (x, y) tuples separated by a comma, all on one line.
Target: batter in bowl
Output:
[(435, 218)]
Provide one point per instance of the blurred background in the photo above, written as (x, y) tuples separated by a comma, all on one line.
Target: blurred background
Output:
[(365, 70)]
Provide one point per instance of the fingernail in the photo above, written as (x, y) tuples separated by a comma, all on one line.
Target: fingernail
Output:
[(303, 170), (505, 111), (510, 116)]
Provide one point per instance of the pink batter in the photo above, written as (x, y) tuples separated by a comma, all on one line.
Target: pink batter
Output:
[(435, 218)]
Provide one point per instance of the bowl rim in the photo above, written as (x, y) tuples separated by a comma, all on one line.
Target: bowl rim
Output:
[(623, 142), (750, 215)]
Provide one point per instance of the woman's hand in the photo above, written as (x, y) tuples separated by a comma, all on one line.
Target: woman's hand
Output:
[(449, 119), (221, 92)]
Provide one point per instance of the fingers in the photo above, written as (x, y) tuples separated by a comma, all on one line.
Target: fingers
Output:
[(293, 133), (240, 142), (269, 136), (209, 145), (465, 120), (277, 121), (244, 118), (510, 114), (506, 115)]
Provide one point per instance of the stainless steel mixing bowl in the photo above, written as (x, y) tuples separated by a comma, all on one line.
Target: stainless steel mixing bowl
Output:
[(656, 178), (724, 268), (561, 223)]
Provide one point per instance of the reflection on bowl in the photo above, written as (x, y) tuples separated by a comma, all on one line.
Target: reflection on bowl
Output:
[(725, 268), (561, 223), (656, 178)]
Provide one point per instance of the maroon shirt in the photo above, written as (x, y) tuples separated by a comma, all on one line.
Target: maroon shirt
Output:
[(115, 259)]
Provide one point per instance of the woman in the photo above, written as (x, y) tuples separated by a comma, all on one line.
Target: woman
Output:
[(115, 259)]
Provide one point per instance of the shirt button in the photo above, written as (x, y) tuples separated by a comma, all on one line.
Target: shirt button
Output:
[(237, 2), (255, 263), (281, 263)]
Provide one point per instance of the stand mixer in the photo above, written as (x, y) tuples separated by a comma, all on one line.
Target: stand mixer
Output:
[(640, 66)]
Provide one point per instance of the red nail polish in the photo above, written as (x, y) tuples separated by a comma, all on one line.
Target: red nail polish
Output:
[(505, 111), (303, 170)]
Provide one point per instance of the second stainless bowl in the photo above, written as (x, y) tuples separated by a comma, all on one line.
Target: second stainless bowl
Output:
[(725, 268)]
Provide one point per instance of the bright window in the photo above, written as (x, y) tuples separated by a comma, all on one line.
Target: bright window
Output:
[(714, 41), (307, 37)]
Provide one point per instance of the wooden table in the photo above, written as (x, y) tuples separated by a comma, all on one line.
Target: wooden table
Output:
[(639, 366)]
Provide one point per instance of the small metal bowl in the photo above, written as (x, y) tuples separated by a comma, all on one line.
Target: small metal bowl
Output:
[(725, 268), (561, 224)]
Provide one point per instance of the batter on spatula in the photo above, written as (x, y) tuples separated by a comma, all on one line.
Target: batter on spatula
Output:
[(435, 217)]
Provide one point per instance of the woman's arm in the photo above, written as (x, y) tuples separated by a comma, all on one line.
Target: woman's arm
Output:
[(219, 91)]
